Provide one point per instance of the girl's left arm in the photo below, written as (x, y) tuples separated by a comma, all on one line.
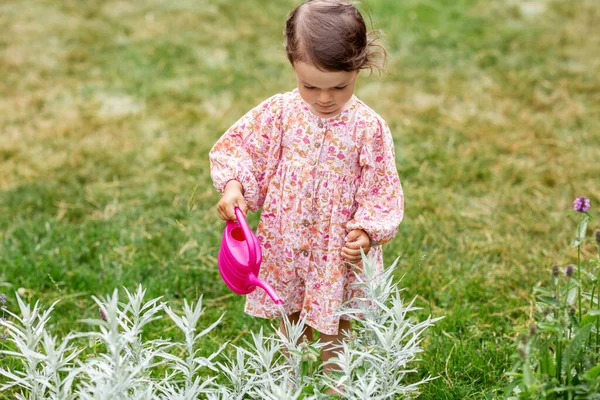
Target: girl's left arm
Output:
[(379, 196)]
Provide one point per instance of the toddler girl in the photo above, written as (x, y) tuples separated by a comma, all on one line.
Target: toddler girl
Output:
[(321, 165)]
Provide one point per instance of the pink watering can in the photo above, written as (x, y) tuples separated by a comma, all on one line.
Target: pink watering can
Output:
[(240, 257)]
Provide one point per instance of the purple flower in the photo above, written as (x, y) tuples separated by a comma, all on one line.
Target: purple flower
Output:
[(2, 298), (569, 270), (102, 314), (581, 204), (3, 336)]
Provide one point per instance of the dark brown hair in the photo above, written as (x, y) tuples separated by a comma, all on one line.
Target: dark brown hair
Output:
[(332, 35)]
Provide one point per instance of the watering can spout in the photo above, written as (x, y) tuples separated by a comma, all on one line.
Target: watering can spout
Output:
[(253, 280)]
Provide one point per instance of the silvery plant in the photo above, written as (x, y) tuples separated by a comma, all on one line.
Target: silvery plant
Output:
[(378, 354)]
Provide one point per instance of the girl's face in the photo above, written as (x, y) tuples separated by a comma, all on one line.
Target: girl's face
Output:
[(327, 93)]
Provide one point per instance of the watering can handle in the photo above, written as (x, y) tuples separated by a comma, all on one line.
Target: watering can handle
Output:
[(248, 234)]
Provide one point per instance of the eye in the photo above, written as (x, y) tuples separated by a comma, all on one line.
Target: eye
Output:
[(308, 87), (341, 87)]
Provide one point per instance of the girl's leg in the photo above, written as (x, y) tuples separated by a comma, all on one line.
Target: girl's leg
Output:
[(332, 340), (308, 333), (329, 350)]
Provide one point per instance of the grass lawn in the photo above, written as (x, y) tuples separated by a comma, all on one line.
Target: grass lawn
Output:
[(108, 110)]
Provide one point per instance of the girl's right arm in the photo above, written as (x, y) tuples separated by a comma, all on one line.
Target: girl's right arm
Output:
[(244, 159)]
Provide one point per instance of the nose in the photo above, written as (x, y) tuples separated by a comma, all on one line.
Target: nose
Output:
[(325, 97)]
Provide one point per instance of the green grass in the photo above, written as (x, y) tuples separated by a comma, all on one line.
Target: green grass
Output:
[(108, 110)]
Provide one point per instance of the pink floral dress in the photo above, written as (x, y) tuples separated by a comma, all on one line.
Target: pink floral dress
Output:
[(316, 179)]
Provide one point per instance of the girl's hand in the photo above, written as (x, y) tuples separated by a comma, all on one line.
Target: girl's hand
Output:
[(356, 239), (232, 197)]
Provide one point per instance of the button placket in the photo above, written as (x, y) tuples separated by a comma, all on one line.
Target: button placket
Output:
[(317, 145)]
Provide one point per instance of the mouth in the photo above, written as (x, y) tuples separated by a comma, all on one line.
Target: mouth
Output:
[(326, 107)]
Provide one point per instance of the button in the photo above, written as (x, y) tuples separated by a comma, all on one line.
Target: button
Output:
[(308, 195), (305, 223), (317, 145), (320, 124), (305, 253)]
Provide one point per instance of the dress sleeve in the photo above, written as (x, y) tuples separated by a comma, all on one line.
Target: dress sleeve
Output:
[(249, 152), (379, 196)]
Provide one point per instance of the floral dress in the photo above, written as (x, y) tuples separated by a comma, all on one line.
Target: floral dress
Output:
[(316, 179)]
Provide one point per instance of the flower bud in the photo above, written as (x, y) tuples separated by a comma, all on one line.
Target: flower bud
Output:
[(598, 236), (555, 270), (532, 329), (569, 270)]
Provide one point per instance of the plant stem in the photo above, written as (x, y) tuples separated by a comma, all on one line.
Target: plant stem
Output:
[(556, 316), (558, 357), (598, 302), (597, 319), (567, 289), (579, 277), (597, 338)]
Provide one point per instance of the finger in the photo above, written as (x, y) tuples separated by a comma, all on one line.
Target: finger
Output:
[(353, 235), (356, 245), (230, 212), (353, 260), (221, 211), (351, 251), (244, 207), (225, 209), (352, 254), (349, 257)]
